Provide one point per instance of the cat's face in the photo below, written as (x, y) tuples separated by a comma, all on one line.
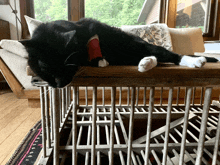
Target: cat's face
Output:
[(51, 59), (55, 74)]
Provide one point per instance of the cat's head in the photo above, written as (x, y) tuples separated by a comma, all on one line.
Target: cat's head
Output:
[(53, 55)]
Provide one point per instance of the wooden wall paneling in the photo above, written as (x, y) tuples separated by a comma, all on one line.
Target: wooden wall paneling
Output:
[(4, 30), (4, 34)]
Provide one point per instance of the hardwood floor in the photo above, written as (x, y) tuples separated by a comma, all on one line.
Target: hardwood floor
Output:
[(16, 119)]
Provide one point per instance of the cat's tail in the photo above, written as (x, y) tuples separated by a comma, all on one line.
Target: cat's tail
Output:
[(212, 59), (208, 59)]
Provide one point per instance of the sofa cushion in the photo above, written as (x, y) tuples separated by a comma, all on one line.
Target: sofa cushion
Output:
[(14, 47), (17, 65), (156, 34), (32, 24), (187, 41)]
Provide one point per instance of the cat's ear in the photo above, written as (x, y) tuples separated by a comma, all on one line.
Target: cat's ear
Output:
[(27, 43), (69, 36)]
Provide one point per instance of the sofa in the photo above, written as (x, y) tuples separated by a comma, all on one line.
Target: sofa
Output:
[(13, 56)]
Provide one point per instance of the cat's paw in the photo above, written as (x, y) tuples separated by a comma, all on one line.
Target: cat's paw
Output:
[(192, 62), (103, 63), (147, 63)]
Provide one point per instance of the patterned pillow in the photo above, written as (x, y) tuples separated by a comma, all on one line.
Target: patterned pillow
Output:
[(156, 34)]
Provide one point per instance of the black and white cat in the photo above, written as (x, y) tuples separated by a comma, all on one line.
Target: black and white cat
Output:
[(58, 48)]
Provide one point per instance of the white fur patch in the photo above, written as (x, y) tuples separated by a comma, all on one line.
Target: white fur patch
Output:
[(103, 63), (147, 63), (192, 62)]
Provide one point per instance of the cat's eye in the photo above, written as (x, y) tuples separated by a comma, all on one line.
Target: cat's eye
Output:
[(42, 64), (43, 69)]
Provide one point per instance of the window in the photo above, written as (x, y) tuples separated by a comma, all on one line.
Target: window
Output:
[(114, 12), (198, 13), (184, 14), (50, 10), (192, 13), (150, 12), (131, 12)]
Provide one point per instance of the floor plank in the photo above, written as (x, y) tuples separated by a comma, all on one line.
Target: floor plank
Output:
[(7, 98), (13, 113), (16, 112), (15, 121), (8, 109)]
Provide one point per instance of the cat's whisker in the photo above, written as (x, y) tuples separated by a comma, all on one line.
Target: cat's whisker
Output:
[(70, 56), (77, 73), (45, 92)]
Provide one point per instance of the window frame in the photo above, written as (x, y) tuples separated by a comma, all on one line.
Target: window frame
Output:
[(76, 10), (25, 9)]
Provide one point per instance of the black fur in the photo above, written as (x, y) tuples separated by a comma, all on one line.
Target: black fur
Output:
[(58, 48)]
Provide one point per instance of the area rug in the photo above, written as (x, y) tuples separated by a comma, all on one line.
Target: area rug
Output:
[(29, 149)]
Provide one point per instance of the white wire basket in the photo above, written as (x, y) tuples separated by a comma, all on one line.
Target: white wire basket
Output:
[(142, 121)]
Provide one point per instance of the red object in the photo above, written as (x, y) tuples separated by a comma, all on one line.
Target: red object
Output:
[(94, 49)]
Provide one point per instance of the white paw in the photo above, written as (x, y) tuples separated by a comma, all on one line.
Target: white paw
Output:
[(147, 63), (192, 62), (103, 63)]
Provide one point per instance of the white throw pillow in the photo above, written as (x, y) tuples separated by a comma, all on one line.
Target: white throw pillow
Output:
[(156, 34), (32, 24), (14, 47)]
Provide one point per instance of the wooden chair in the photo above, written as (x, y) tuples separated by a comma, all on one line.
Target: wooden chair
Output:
[(33, 96)]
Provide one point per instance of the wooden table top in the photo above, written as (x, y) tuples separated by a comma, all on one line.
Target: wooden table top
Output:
[(162, 75)]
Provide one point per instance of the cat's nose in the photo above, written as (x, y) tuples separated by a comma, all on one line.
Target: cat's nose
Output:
[(60, 83)]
